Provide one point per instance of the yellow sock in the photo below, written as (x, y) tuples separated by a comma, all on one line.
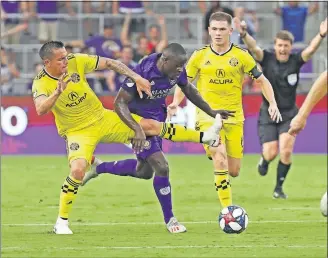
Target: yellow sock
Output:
[(179, 133), (223, 187), (67, 196)]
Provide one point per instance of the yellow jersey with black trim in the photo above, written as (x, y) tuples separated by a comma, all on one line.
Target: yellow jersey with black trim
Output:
[(78, 106), (220, 78)]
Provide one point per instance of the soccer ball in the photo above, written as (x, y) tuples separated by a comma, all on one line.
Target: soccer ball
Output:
[(233, 219), (323, 205)]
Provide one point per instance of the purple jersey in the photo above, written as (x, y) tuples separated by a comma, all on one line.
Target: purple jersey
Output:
[(155, 107), (10, 7), (103, 46), (47, 7)]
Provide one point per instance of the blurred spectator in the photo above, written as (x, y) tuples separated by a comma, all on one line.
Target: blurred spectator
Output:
[(13, 7), (157, 35), (8, 72), (251, 22), (106, 45), (92, 7), (215, 7), (138, 25), (114, 80), (48, 26), (184, 9), (294, 18), (69, 48), (145, 46), (37, 68)]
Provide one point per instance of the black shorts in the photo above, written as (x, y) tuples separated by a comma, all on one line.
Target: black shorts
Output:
[(268, 130)]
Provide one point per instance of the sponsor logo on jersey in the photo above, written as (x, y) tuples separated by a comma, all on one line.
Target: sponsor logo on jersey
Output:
[(233, 62), (73, 96), (75, 77), (129, 83), (74, 146), (292, 79), (220, 73), (221, 81), (208, 63), (158, 94)]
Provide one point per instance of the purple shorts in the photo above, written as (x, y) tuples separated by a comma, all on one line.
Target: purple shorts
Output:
[(153, 145)]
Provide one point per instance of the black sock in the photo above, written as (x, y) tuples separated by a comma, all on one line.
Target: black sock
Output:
[(282, 172)]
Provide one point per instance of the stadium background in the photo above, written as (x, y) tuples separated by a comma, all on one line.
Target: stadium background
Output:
[(23, 132)]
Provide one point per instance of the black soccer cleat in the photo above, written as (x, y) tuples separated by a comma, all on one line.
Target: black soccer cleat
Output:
[(262, 168), (279, 193)]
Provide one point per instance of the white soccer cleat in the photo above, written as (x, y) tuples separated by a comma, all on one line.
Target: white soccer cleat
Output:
[(61, 227), (92, 173), (173, 226), (211, 136)]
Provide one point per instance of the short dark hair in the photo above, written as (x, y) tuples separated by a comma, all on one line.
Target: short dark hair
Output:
[(221, 16), (174, 49), (46, 50), (284, 35)]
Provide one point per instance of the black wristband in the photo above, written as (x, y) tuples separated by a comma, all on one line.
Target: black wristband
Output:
[(322, 36), (243, 36)]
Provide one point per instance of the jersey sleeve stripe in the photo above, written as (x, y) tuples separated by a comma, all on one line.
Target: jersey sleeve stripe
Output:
[(97, 63), (254, 72)]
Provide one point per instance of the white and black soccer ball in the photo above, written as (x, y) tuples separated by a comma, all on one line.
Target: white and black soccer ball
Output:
[(233, 219), (323, 205)]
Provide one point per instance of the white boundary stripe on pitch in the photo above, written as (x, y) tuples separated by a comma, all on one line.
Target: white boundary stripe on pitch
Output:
[(154, 223), (169, 247)]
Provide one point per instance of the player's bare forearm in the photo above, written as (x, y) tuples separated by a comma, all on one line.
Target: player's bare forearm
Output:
[(267, 89), (193, 95), (121, 108), (308, 52), (316, 93), (251, 44), (119, 67), (44, 104), (178, 96)]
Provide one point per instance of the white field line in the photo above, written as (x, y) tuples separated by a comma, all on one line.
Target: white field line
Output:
[(153, 223), (168, 247)]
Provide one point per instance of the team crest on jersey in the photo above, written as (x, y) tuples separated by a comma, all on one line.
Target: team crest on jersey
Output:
[(220, 73), (147, 145), (292, 79), (75, 77), (233, 62), (129, 83), (74, 146)]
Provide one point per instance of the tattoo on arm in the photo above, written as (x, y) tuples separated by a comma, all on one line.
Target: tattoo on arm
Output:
[(121, 108), (121, 68), (193, 95)]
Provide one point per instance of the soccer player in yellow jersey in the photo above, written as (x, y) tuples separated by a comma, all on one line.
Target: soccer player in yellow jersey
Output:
[(220, 68), (61, 87)]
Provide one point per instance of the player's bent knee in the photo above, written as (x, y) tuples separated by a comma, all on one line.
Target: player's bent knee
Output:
[(163, 170), (145, 175), (78, 173), (271, 152)]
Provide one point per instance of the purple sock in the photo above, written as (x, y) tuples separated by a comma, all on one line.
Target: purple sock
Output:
[(163, 191), (127, 167)]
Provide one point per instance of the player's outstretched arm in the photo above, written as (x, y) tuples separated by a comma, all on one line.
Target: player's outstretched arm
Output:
[(249, 41), (269, 95), (193, 95), (44, 104), (308, 52), (142, 84), (121, 108), (317, 92)]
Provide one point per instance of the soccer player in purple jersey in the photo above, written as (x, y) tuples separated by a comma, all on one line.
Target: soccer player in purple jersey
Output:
[(163, 70)]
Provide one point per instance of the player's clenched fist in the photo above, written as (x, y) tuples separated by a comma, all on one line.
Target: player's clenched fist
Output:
[(297, 125), (62, 83)]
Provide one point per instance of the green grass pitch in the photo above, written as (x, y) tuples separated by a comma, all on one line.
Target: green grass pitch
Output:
[(120, 216)]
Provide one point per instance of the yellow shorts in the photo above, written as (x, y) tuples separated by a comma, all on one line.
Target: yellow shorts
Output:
[(110, 129), (232, 136)]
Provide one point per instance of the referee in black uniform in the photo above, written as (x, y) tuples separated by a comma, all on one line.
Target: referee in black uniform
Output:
[(282, 69)]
